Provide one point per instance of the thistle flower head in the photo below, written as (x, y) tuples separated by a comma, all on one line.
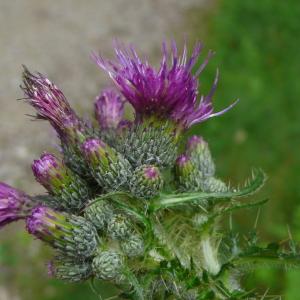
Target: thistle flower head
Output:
[(183, 164), (169, 92), (146, 182), (50, 104), (109, 109), (200, 154), (14, 204), (69, 271), (72, 235), (108, 167), (50, 172), (68, 189), (96, 151), (108, 265)]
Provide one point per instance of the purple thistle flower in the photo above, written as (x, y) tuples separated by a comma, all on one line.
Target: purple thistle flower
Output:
[(168, 92), (14, 204), (109, 109), (51, 104), (50, 172)]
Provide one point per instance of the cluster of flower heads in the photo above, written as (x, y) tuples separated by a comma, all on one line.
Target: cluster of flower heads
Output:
[(92, 236)]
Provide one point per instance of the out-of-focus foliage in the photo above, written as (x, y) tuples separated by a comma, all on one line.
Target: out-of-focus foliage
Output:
[(257, 49)]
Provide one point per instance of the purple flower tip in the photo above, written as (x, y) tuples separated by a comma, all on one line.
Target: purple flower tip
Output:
[(47, 169), (109, 109), (193, 142), (49, 101), (182, 160), (35, 222), (151, 172), (169, 92), (14, 204), (92, 146)]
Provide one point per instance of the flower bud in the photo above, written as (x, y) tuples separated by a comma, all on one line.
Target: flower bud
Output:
[(107, 265), (70, 271), (51, 105), (149, 142), (71, 235), (146, 182), (14, 204), (188, 177), (67, 187), (109, 168), (119, 227), (133, 246), (99, 213), (109, 109), (200, 154)]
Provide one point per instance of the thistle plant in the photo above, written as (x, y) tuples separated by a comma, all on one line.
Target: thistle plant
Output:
[(132, 202)]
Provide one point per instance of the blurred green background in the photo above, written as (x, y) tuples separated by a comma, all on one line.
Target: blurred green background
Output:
[(257, 50)]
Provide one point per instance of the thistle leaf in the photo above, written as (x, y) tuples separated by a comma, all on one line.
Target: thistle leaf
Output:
[(252, 186)]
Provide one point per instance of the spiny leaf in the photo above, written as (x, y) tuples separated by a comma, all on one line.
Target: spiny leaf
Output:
[(137, 291), (252, 186), (269, 256)]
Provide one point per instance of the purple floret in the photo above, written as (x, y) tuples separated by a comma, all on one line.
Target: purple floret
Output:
[(169, 92), (44, 167), (38, 221), (109, 109), (14, 204), (151, 172)]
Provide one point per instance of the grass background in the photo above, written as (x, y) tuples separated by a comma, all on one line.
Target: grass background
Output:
[(257, 49)]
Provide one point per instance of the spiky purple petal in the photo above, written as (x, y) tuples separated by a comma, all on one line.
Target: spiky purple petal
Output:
[(167, 92)]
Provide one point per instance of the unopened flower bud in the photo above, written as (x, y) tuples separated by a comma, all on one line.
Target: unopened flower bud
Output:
[(107, 265), (70, 271), (133, 246), (149, 142), (146, 182), (99, 213), (14, 204), (51, 105), (71, 235), (188, 177), (109, 109), (109, 168), (67, 187), (200, 154), (119, 227)]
